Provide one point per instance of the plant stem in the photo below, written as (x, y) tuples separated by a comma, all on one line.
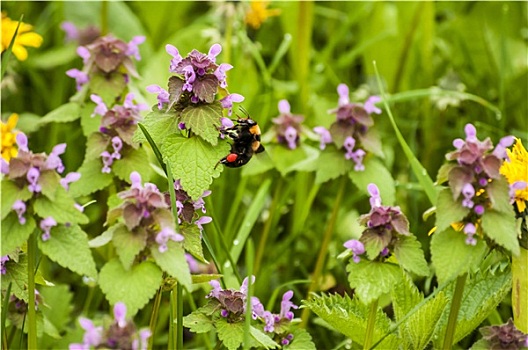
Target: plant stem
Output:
[(453, 313), (179, 316), (154, 318), (32, 315), (324, 248), (250, 255), (104, 18), (370, 325), (267, 226), (520, 290)]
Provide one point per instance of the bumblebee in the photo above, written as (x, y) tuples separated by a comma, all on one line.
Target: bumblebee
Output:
[(246, 142)]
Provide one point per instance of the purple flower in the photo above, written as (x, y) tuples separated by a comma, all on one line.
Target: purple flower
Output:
[(215, 292), (221, 75), (500, 149), (468, 191), (190, 77), (133, 49), (375, 197), (84, 53), (117, 144), (291, 137), (325, 135), (33, 175), (227, 102), (22, 142), (4, 166), (214, 51), (370, 105), (286, 305), (135, 179), (176, 57), (356, 247), (144, 334), (54, 161), (129, 104), (284, 107), (194, 267), (101, 108), (93, 335), (20, 208), (3, 260), (120, 311), (343, 92), (80, 77), (163, 95), (68, 179), (479, 209), (72, 33), (202, 221), (107, 162), (470, 230), (46, 225), (162, 238)]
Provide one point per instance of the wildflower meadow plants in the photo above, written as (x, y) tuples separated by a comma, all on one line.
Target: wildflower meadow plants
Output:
[(235, 178)]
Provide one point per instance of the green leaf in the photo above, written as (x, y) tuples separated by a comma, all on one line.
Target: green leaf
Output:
[(89, 124), (197, 322), (58, 306), (205, 278), (134, 287), (62, 208), (375, 172), (103, 238), (443, 172), (63, 114), (410, 256), (128, 244), (331, 164), (371, 142), (132, 160), (349, 317), (95, 145), (371, 279), (16, 274), (193, 241), (193, 161), (203, 120), (13, 234), (448, 211), (173, 262), (50, 183), (68, 246), (451, 256), (159, 125), (302, 340), (498, 192), (501, 227), (108, 87), (92, 179), (231, 334), (262, 339), (10, 194), (285, 159)]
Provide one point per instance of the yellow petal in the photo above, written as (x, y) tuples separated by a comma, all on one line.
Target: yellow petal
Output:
[(29, 39), (12, 121), (20, 52)]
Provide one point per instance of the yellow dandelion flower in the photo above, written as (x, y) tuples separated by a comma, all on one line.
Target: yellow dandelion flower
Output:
[(9, 149), (259, 12), (25, 37), (517, 170)]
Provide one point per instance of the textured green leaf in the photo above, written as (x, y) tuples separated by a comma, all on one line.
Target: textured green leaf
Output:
[(108, 87), (448, 211), (63, 114), (134, 287), (62, 208), (205, 278), (92, 179), (159, 125), (443, 172), (16, 274), (410, 256), (103, 238), (371, 279), (10, 194), (132, 160), (451, 256), (197, 322), (499, 194), (331, 164), (50, 182), (349, 317), (231, 334), (173, 262), (203, 120), (13, 234), (95, 145), (302, 340), (68, 246), (285, 159), (58, 307), (128, 244), (193, 161), (193, 241), (371, 142), (262, 340), (501, 227), (89, 124)]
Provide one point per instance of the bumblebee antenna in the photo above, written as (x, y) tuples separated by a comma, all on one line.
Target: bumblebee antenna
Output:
[(243, 111)]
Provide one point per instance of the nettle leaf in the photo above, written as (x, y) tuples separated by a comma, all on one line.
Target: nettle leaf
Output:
[(203, 120), (498, 192), (159, 124), (198, 322), (205, 87), (302, 340), (108, 86), (448, 211), (68, 246), (14, 234), (96, 144), (451, 256), (205, 278), (16, 274), (89, 124), (349, 317), (375, 172), (231, 334), (58, 307), (331, 164), (261, 339), (132, 160), (371, 279), (192, 242), (134, 287), (50, 182), (193, 161), (128, 244), (175, 90), (103, 238), (63, 114), (173, 262), (285, 159), (10, 194), (501, 227), (92, 178), (443, 172), (409, 253), (371, 142), (62, 208)]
